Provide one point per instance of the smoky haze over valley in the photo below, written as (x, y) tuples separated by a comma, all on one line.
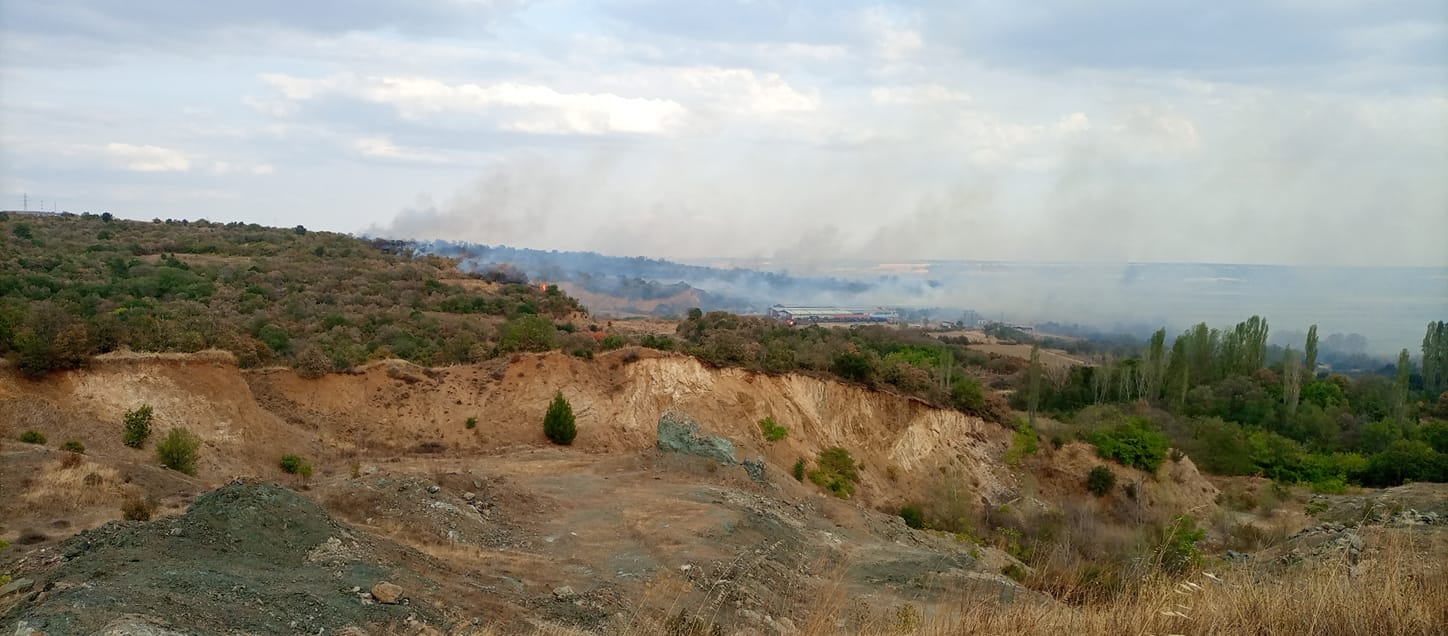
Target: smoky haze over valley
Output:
[(1127, 298), (819, 138)]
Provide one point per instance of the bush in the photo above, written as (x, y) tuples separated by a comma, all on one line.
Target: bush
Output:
[(138, 426), (1405, 460), (295, 465), (853, 366), (471, 423), (71, 460), (1016, 572), (178, 450), (772, 430), (73, 446), (798, 470), (32, 437), (528, 333), (1024, 443), (1132, 443), (913, 516), (611, 342), (1177, 545), (312, 362), (1100, 481), (558, 423), (662, 343), (835, 471), (134, 507)]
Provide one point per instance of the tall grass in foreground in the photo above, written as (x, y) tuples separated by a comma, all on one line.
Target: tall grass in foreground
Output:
[(1394, 590)]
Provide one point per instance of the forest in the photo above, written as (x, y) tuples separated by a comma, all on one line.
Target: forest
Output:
[(1219, 397)]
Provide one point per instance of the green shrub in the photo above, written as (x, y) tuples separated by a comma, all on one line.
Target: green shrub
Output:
[(528, 332), (1330, 486), (798, 470), (612, 341), (178, 450), (1176, 547), (471, 423), (1132, 443), (1100, 481), (295, 465), (138, 426), (1023, 444), (73, 446), (772, 430), (1016, 572), (32, 437), (913, 516), (662, 343), (853, 366), (835, 471), (558, 423)]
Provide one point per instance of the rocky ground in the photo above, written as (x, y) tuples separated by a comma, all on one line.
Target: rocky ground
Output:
[(541, 537), (246, 558)]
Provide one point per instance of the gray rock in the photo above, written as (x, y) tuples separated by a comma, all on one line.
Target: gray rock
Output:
[(755, 468), (563, 593), (15, 587), (130, 626), (679, 433)]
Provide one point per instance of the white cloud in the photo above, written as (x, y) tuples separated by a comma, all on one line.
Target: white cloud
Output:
[(745, 92), (148, 158), (383, 148), (893, 41), (918, 94), (516, 106)]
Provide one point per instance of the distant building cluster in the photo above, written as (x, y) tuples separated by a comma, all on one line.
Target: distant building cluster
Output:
[(794, 314)]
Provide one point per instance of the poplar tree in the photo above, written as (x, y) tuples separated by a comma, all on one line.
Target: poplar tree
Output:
[(1155, 363), (1178, 369), (1435, 357), (1310, 350), (1291, 380), (1400, 392)]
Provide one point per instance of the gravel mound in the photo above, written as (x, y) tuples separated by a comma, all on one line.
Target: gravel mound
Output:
[(246, 558)]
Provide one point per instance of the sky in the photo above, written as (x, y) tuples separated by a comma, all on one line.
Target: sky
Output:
[(1299, 132)]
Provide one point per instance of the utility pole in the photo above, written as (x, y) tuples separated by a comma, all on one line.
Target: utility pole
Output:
[(25, 198)]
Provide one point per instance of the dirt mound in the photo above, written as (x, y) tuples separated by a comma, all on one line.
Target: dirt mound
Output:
[(250, 558)]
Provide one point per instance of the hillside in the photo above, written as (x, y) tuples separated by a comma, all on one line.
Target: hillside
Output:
[(75, 286), (610, 535), (387, 410)]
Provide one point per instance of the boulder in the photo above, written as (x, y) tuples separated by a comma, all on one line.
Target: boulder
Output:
[(16, 586), (385, 592), (679, 433)]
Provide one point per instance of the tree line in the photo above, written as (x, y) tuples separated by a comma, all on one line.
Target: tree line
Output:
[(1217, 395)]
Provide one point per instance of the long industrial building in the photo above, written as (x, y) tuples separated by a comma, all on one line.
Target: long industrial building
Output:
[(795, 314)]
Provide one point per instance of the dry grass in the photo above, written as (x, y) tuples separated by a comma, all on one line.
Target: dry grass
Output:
[(58, 486), (1395, 590)]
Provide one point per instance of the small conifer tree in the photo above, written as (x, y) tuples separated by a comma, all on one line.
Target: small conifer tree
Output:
[(558, 422)]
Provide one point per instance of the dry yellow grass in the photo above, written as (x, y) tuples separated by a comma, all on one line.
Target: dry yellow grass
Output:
[(85, 485), (1395, 590)]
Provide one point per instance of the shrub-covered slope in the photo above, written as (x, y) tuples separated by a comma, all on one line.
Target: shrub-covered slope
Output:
[(75, 286)]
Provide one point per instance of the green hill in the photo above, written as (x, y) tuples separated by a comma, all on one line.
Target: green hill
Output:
[(75, 286)]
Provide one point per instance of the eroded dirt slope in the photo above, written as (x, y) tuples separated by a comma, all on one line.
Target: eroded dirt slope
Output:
[(903, 444)]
